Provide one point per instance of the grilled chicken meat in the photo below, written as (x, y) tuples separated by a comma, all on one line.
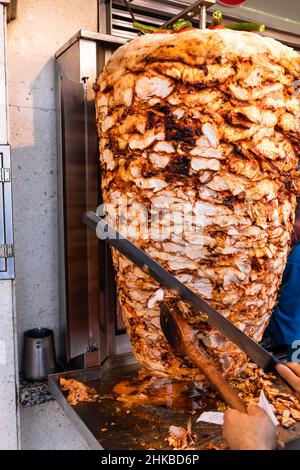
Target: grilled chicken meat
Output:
[(205, 125)]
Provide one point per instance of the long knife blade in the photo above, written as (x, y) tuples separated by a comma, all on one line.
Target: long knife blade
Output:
[(258, 354)]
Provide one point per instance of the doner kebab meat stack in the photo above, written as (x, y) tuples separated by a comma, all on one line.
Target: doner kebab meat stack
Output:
[(203, 124)]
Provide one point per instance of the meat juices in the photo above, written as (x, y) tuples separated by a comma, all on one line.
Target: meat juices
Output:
[(207, 120)]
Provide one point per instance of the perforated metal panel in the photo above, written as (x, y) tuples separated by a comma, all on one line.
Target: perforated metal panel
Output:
[(6, 230), (153, 13)]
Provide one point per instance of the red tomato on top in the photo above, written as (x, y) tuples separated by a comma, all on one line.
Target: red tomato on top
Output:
[(162, 31), (231, 3), (183, 30), (216, 26)]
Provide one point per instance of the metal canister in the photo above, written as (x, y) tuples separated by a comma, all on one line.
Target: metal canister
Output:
[(38, 354)]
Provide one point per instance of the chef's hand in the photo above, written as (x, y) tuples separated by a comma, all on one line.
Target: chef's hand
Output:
[(252, 431), (291, 373)]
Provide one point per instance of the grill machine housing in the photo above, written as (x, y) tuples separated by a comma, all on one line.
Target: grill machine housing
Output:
[(89, 326), (88, 294)]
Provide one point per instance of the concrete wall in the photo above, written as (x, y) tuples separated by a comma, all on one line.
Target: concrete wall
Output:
[(3, 106), (41, 27), (45, 427), (8, 410)]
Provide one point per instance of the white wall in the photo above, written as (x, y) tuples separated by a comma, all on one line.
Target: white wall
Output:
[(289, 9), (41, 27)]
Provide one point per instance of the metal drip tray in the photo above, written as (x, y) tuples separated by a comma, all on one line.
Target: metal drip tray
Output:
[(110, 425)]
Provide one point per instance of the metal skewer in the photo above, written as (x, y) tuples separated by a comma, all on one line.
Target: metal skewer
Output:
[(202, 17), (128, 6), (199, 7), (130, 11)]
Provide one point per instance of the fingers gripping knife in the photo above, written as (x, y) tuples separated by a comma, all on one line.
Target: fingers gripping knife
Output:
[(256, 353)]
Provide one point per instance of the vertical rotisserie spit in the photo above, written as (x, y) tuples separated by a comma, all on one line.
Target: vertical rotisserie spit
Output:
[(199, 135)]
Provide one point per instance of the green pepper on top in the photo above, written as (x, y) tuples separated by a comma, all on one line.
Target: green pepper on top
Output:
[(217, 17), (182, 24)]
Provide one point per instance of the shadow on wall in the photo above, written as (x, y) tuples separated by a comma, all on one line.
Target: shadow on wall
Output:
[(34, 166)]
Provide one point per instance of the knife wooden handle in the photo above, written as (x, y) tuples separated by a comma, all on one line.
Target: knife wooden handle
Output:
[(183, 340), (215, 377)]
